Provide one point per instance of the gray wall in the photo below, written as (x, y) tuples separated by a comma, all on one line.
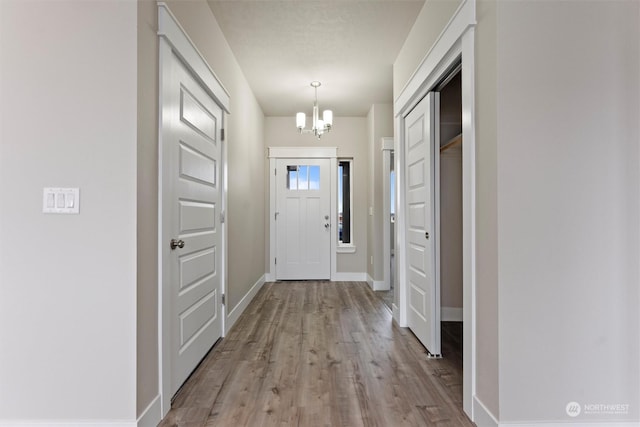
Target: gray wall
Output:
[(568, 207), (147, 206), (349, 134), (487, 325), (68, 282)]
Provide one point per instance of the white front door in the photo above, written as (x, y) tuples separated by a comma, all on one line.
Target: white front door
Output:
[(191, 237), (424, 288), (303, 219)]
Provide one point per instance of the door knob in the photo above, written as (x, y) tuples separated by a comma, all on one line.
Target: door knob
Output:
[(176, 244), (327, 225)]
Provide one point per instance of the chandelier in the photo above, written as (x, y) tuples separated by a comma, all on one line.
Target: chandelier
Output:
[(319, 126)]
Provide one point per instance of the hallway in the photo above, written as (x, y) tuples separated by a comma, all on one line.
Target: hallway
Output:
[(321, 353)]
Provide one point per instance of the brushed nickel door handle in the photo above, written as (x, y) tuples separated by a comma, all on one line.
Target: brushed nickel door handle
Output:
[(176, 244)]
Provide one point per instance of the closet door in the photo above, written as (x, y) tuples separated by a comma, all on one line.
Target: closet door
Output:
[(423, 286)]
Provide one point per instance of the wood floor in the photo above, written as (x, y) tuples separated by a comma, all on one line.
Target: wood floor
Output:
[(322, 354)]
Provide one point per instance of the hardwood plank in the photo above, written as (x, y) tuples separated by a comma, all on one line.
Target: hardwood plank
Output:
[(322, 354)]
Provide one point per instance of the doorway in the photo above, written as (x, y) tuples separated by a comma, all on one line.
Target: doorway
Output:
[(455, 45), (450, 214)]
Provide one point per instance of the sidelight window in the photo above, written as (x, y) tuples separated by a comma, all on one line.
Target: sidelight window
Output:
[(344, 202)]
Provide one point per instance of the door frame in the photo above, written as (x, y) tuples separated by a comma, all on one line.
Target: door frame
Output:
[(387, 149), (275, 153), (173, 40), (457, 41)]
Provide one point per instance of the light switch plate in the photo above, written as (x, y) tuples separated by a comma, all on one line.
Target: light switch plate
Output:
[(61, 200)]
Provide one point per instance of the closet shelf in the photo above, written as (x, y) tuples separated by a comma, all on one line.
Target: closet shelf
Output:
[(451, 143)]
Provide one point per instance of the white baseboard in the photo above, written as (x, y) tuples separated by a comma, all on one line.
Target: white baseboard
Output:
[(67, 423), (268, 277), (395, 310), (152, 415), (349, 277), (451, 314), (580, 423), (484, 418), (377, 285), (481, 415), (234, 314)]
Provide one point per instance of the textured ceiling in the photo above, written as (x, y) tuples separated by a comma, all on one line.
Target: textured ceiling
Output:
[(348, 45)]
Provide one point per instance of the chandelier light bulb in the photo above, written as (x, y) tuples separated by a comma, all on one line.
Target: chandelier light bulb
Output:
[(327, 116), (318, 126), (301, 120)]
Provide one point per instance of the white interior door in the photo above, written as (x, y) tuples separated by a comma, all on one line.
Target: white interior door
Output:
[(303, 219), (191, 238), (423, 285)]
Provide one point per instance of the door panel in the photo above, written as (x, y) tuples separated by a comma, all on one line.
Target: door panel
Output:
[(303, 225), (195, 199), (423, 285)]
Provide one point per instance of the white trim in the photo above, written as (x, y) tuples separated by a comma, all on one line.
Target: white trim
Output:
[(376, 285), (152, 415), (580, 422), (271, 274), (469, 220), (235, 313), (74, 423), (303, 152), (333, 209), (170, 30), (395, 310), (483, 416), (347, 248), (387, 149), (456, 40), (174, 41), (451, 314), (349, 277), (224, 274), (387, 143)]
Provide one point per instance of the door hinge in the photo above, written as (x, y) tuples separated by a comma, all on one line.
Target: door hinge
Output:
[(275, 171), (223, 299), (275, 215), (222, 134), (276, 260), (222, 217)]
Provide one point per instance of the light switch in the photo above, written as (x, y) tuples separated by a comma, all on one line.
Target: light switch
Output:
[(61, 200)]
